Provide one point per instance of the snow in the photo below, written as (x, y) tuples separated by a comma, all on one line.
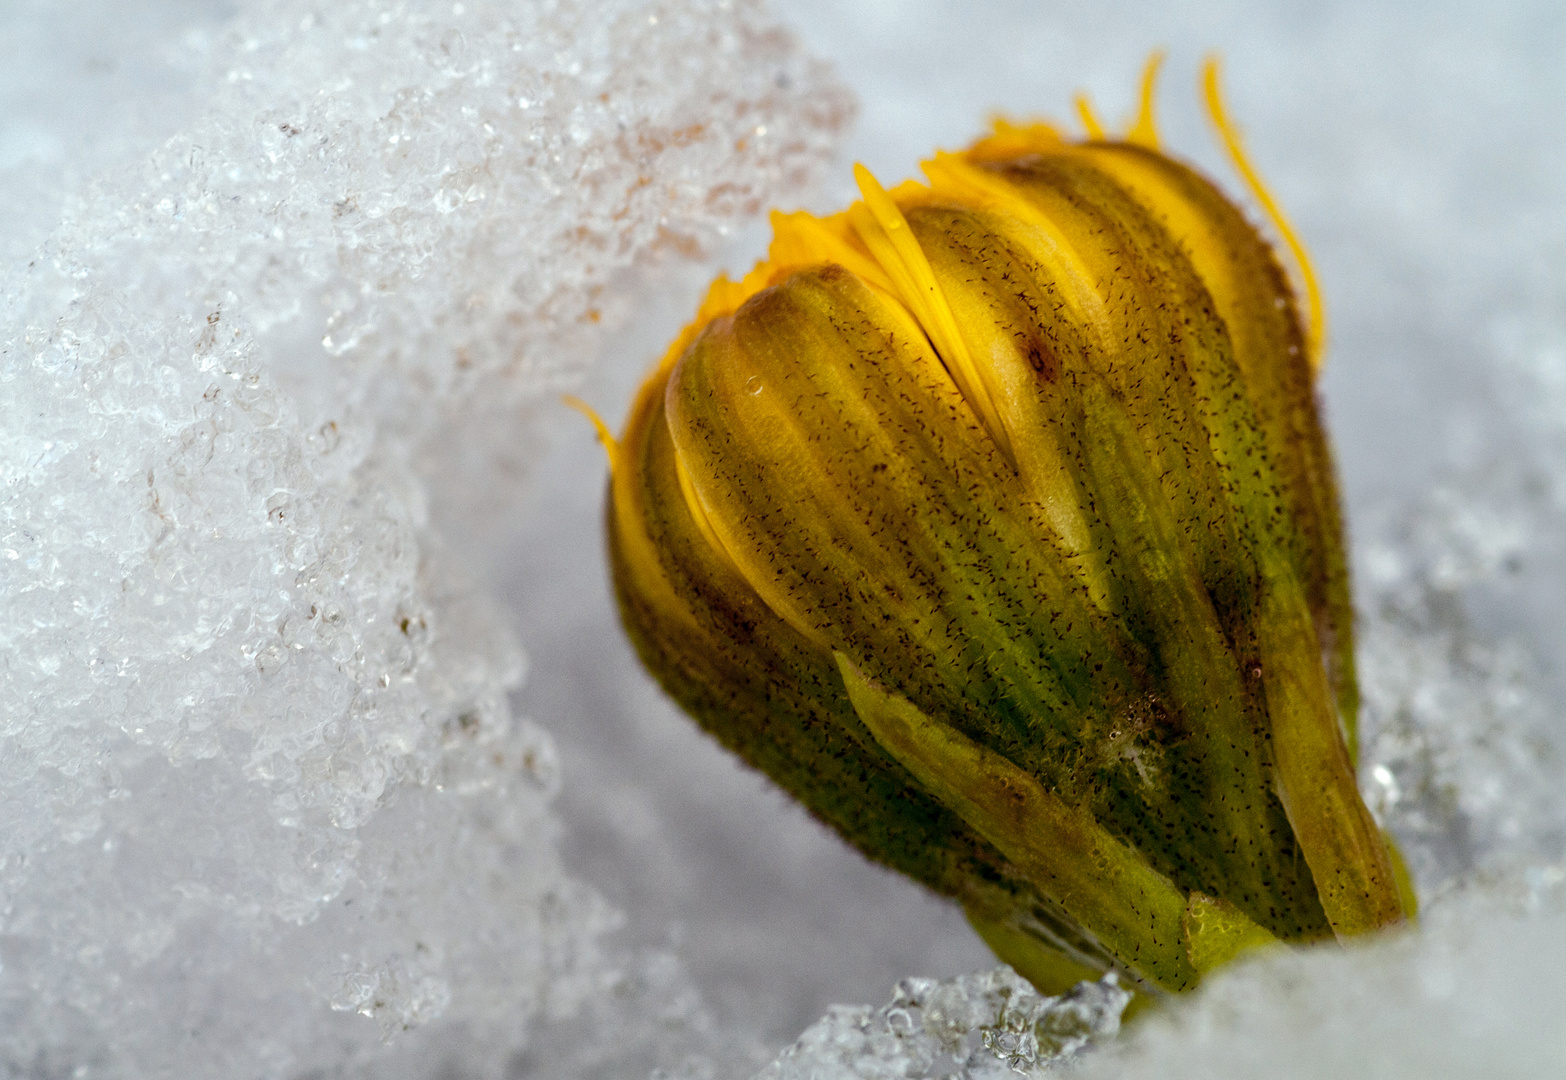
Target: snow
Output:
[(277, 799)]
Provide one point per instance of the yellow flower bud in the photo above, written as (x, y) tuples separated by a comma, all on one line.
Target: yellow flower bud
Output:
[(993, 519)]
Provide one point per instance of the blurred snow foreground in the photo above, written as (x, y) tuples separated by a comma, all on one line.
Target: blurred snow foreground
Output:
[(257, 770), (263, 809)]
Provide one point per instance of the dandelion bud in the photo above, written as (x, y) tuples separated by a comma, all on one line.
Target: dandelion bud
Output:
[(993, 519)]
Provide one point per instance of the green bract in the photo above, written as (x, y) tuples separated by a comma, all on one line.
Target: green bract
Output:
[(992, 518)]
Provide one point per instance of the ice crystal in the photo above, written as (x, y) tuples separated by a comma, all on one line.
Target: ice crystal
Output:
[(263, 803), (986, 1026)]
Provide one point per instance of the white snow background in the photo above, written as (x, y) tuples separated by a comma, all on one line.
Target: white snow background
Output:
[(288, 498)]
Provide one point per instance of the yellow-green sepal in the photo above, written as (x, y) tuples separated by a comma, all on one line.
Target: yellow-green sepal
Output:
[(1216, 932), (1402, 877), (1133, 911)]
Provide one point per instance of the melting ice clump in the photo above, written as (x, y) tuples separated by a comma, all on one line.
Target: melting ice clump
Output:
[(257, 768), (989, 1026)]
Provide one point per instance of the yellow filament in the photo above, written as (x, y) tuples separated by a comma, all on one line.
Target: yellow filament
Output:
[(605, 436), (1316, 324), (1144, 132), (885, 232), (1090, 121)]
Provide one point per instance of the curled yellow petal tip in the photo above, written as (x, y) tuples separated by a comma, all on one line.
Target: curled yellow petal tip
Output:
[(1229, 134), (605, 435), (1144, 131), (1085, 113)]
